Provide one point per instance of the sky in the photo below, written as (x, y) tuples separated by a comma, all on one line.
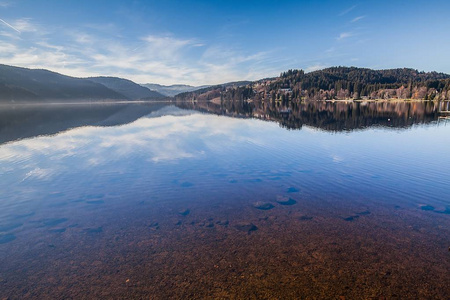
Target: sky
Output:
[(211, 42)]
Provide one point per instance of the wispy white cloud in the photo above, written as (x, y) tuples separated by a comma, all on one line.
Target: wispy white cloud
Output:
[(10, 34), (344, 12), (344, 35), (165, 58), (357, 19), (45, 44), (166, 47), (7, 49), (25, 25)]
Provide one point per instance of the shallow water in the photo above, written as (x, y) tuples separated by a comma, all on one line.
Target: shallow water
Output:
[(138, 201)]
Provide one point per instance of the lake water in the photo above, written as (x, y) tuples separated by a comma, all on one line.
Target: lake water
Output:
[(204, 200)]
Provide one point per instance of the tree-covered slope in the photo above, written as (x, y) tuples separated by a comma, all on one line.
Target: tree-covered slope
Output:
[(336, 83), (21, 84), (356, 83)]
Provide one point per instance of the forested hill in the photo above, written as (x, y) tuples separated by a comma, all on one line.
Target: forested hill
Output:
[(22, 85), (345, 82), (33, 85), (337, 83)]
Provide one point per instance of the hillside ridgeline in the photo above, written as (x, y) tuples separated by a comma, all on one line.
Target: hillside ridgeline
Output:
[(336, 83)]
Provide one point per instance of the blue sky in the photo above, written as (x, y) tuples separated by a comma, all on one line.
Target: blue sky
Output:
[(208, 42)]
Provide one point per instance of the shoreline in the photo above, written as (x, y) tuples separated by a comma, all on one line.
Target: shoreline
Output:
[(381, 100), (2, 105), (84, 103)]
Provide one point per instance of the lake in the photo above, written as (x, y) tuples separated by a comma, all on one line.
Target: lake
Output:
[(237, 200)]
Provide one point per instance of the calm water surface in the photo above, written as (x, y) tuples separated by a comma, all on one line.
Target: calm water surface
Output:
[(160, 201)]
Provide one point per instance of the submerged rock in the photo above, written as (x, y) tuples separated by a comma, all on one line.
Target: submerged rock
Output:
[(426, 207), (222, 222), (305, 218), (246, 227), (350, 218), (94, 230), (184, 212), (443, 211), (283, 200), (154, 225), (293, 190), (263, 205)]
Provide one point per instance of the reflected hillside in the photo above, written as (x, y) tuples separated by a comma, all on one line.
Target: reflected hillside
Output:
[(25, 121), (328, 115)]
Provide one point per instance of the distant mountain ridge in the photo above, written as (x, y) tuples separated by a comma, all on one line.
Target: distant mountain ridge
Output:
[(176, 89), (171, 90), (128, 88), (38, 85)]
